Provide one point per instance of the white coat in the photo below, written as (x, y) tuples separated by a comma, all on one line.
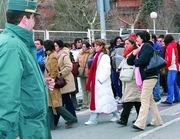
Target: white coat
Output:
[(104, 98)]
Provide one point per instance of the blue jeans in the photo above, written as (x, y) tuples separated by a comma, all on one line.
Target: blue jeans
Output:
[(178, 79), (156, 90), (173, 90), (117, 85)]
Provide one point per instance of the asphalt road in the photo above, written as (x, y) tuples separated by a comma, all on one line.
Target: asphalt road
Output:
[(109, 130)]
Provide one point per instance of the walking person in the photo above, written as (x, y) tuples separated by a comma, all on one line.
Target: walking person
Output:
[(116, 55), (131, 94), (82, 59), (158, 48), (172, 65), (23, 97), (149, 79), (55, 99), (99, 85), (65, 68)]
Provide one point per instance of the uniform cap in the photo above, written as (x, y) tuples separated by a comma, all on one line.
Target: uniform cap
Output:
[(22, 5)]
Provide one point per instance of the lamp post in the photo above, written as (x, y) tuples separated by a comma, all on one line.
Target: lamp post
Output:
[(153, 16)]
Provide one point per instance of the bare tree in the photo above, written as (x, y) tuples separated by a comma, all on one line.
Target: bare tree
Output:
[(75, 15), (2, 13)]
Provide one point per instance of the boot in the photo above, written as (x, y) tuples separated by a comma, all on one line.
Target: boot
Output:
[(66, 115)]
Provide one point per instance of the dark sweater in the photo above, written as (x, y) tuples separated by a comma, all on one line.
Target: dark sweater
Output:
[(144, 57)]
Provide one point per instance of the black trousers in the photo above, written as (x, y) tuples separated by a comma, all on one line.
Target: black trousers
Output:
[(61, 111), (127, 106), (67, 103)]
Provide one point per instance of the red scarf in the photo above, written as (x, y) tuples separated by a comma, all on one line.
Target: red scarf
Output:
[(127, 51), (90, 86)]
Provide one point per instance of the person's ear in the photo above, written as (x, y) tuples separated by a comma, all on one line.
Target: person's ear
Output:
[(24, 20)]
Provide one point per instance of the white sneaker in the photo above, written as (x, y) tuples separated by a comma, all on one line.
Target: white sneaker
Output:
[(114, 119), (91, 123)]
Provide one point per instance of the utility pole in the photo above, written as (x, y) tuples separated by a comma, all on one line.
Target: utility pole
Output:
[(102, 19)]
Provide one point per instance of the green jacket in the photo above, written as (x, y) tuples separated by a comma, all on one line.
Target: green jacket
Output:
[(23, 92)]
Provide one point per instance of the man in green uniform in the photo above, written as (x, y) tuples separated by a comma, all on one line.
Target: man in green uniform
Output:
[(23, 90)]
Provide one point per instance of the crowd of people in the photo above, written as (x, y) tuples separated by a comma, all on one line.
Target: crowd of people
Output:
[(103, 85), (39, 78)]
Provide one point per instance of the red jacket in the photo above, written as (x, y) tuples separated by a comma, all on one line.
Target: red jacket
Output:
[(168, 54)]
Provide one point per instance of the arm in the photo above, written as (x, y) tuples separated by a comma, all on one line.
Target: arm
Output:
[(11, 71), (67, 66), (54, 67), (105, 66), (168, 56), (145, 55), (130, 60)]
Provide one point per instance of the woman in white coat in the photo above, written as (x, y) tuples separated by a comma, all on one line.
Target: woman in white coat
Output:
[(99, 84)]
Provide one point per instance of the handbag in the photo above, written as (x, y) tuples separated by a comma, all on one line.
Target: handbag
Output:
[(60, 82), (127, 71), (75, 68), (156, 62)]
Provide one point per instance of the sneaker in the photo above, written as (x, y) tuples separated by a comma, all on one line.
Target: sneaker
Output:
[(117, 98), (114, 119), (91, 123)]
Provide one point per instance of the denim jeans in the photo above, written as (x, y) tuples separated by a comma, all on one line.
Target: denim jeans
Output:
[(117, 85), (156, 90), (173, 90)]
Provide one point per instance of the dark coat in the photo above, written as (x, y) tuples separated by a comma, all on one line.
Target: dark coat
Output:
[(144, 57)]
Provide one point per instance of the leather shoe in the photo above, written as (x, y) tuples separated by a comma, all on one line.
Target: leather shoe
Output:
[(166, 102), (137, 128), (148, 125), (121, 122)]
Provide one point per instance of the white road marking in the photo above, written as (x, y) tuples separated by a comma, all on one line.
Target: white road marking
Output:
[(156, 129)]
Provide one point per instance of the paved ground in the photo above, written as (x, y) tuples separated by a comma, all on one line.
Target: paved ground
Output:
[(109, 130)]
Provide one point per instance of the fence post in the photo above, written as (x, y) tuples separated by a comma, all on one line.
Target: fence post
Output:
[(47, 35), (89, 36), (120, 31)]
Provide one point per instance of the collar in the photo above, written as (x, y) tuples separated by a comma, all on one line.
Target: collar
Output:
[(25, 35)]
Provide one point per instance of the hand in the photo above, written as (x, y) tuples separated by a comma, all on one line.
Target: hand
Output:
[(50, 83), (136, 51)]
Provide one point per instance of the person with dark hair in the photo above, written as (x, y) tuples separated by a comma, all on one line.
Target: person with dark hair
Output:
[(83, 71), (55, 99), (65, 68), (172, 65), (140, 58), (40, 55), (23, 97), (130, 92), (73, 95), (116, 55), (157, 47), (163, 72)]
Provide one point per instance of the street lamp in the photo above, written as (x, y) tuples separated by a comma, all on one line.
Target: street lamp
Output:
[(153, 16)]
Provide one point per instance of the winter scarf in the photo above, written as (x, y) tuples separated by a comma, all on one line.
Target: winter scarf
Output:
[(90, 86)]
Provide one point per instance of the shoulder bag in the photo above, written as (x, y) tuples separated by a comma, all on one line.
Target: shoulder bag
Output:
[(127, 71)]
